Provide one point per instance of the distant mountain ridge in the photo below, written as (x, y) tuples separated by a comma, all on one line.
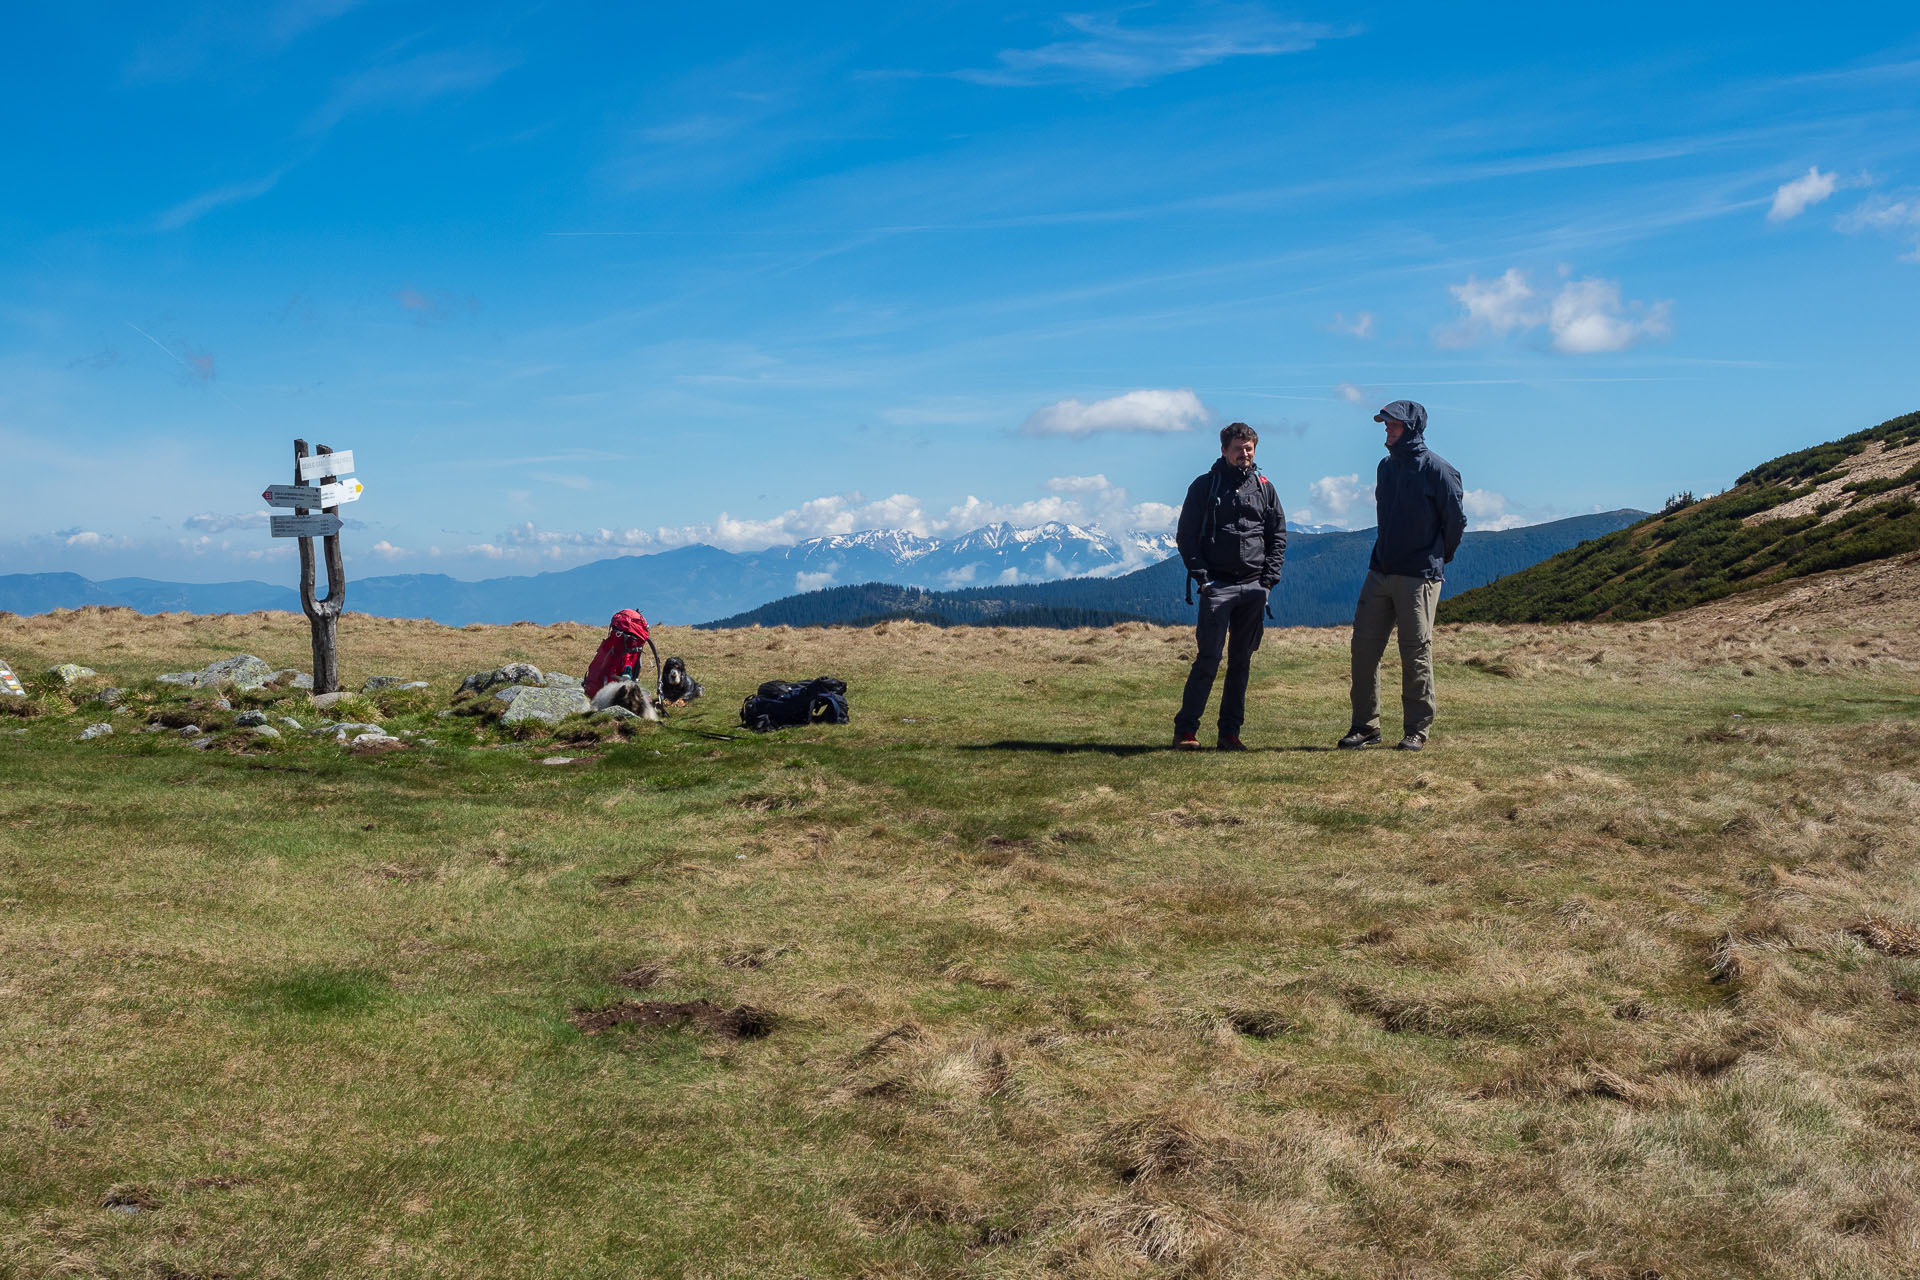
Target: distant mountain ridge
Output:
[(1843, 503), (1318, 587), (700, 583)]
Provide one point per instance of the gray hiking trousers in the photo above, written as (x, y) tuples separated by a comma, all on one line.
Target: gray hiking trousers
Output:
[(1232, 619), (1390, 601)]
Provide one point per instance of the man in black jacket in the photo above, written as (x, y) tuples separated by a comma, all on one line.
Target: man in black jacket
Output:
[(1232, 537), (1417, 498)]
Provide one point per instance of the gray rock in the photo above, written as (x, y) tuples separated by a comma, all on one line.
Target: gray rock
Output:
[(426, 742), (112, 697), (71, 673), (263, 731), (190, 731), (242, 671), (614, 713), (191, 679), (201, 744), (560, 680), (376, 683), (94, 731), (344, 728), (291, 678), (288, 722), (250, 719), (512, 691), (412, 684), (155, 728), (325, 700), (512, 673), (545, 706), (221, 704), (448, 714)]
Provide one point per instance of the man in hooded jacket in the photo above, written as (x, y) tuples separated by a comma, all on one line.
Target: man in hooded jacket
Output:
[(1232, 537), (1417, 497)]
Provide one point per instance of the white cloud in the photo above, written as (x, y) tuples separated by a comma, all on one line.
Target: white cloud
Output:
[(1150, 411), (1100, 51), (1584, 318), (1493, 308), (1880, 213), (804, 581), (961, 577), (1350, 393), (1361, 326), (200, 206), (1488, 510), (1334, 499), (1793, 198), (387, 551), (211, 522)]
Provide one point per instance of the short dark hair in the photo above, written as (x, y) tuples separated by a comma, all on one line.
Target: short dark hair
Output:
[(1237, 431)]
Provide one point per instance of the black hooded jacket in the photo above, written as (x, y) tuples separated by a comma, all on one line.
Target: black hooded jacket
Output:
[(1232, 528), (1417, 495)]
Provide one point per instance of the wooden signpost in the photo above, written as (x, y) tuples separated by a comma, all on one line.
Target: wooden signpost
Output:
[(328, 468)]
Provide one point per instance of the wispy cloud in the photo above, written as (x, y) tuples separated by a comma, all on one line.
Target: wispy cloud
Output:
[(193, 210), (216, 522), (1883, 213), (411, 82), (1136, 411), (1796, 197), (1361, 326), (1099, 50)]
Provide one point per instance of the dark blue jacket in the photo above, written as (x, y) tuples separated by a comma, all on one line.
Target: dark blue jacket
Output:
[(1232, 528), (1417, 496)]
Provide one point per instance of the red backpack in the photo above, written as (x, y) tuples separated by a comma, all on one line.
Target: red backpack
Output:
[(620, 653)]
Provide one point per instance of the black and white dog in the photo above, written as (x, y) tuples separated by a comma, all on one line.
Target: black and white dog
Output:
[(630, 694), (676, 686)]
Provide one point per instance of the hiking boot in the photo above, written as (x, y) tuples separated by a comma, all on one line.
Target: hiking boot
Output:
[(1412, 742), (1357, 738), (1230, 743), (1186, 740)]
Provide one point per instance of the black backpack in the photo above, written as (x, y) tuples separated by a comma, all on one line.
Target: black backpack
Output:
[(780, 705)]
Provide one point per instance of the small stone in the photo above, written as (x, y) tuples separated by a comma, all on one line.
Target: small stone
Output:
[(221, 704), (412, 684), (512, 673), (250, 719), (112, 697), (376, 683), (189, 731), (201, 744), (614, 713), (346, 727), (560, 680), (263, 731), (559, 760), (288, 722), (325, 700), (191, 679), (426, 742), (71, 672), (155, 728), (369, 744), (94, 731)]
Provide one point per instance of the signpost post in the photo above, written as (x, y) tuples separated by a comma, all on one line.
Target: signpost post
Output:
[(325, 466)]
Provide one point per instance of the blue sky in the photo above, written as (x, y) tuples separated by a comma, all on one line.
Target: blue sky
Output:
[(579, 279)]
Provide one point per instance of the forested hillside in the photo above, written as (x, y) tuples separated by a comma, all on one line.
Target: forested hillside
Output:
[(1843, 503)]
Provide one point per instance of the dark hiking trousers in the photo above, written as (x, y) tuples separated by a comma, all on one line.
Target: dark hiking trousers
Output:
[(1232, 619)]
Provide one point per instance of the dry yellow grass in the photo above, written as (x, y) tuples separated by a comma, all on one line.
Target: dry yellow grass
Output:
[(1617, 979)]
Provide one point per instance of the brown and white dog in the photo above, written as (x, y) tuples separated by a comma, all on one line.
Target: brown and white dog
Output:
[(630, 694)]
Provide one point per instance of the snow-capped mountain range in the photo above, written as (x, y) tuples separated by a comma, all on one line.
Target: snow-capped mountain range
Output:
[(685, 585)]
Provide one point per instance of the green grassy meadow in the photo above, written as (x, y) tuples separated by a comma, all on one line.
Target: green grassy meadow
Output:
[(1618, 979)]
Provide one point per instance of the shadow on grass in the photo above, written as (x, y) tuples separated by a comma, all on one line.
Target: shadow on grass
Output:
[(1105, 748)]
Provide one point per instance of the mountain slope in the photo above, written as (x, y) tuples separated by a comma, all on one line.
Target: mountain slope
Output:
[(1322, 578), (1843, 503)]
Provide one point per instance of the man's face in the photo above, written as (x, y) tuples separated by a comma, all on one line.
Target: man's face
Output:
[(1238, 453), (1395, 430)]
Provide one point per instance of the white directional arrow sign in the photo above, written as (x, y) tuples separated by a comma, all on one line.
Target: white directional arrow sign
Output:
[(332, 495), (292, 495), (327, 464), (314, 526)]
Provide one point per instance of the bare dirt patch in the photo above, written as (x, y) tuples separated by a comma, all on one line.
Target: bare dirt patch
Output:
[(742, 1022)]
